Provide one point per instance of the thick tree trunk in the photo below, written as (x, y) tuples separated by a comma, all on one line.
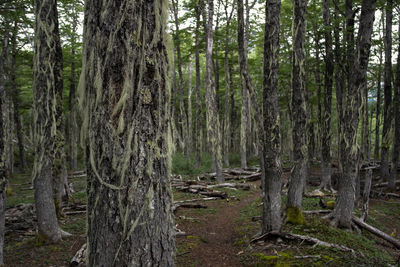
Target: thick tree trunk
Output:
[(271, 138), (15, 100), (126, 90), (349, 158), (3, 170), (47, 80), (396, 135), (299, 113), (326, 121), (387, 105), (213, 128)]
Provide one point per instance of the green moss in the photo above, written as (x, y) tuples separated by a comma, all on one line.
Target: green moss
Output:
[(331, 204), (294, 215), (9, 191)]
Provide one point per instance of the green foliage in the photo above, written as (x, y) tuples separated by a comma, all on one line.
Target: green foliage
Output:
[(185, 165)]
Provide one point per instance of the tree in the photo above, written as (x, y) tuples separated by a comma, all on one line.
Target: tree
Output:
[(271, 138), (3, 170), (298, 106), (396, 135), (326, 120), (378, 97), (387, 104), (213, 129), (125, 90), (343, 212), (48, 80)]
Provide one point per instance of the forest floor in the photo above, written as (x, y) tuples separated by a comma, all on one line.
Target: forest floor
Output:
[(220, 234)]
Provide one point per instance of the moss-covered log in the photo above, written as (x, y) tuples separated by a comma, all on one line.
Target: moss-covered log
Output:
[(125, 89)]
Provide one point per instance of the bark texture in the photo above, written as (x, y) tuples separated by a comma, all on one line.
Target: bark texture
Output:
[(396, 135), (349, 158), (124, 89), (327, 114), (387, 104), (298, 106), (213, 128), (47, 80), (198, 106), (272, 162), (3, 170)]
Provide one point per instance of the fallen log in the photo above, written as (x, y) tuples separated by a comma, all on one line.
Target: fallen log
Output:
[(383, 194), (79, 260), (385, 184), (303, 238), (195, 200), (253, 177), (221, 195), (316, 211), (188, 205), (377, 232), (231, 185)]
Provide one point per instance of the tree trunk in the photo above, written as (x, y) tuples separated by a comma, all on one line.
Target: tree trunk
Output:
[(349, 158), (327, 114), (213, 128), (227, 114), (189, 101), (299, 113), (387, 105), (126, 92), (378, 104), (271, 138), (197, 121), (245, 79), (3, 169), (396, 135), (47, 80), (73, 126), (15, 100)]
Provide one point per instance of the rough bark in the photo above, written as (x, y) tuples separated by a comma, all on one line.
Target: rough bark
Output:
[(387, 104), (47, 79), (197, 121), (342, 213), (3, 170), (125, 91), (212, 117), (378, 106), (227, 114), (272, 162), (396, 135), (189, 142), (299, 113), (73, 126), (327, 114), (246, 83)]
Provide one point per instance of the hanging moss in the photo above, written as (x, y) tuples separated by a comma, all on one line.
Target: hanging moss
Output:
[(294, 215)]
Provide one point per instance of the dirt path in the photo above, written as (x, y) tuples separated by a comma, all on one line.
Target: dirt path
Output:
[(217, 235)]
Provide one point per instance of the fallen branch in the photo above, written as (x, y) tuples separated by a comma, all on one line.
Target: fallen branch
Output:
[(195, 200), (377, 232), (231, 185), (303, 238), (80, 257), (188, 205), (385, 184), (316, 211)]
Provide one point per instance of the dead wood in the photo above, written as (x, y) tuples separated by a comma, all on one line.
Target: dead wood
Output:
[(366, 193), (385, 184), (188, 205), (79, 260), (195, 200), (377, 232), (231, 185), (302, 239)]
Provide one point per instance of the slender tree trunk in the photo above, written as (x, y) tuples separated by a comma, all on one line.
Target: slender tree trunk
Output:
[(15, 96), (126, 92), (197, 121), (342, 214), (387, 105), (246, 83), (73, 126), (3, 169), (365, 123), (318, 82), (227, 114), (213, 128), (327, 114), (299, 113), (47, 80), (271, 138), (396, 135), (189, 128), (378, 106)]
